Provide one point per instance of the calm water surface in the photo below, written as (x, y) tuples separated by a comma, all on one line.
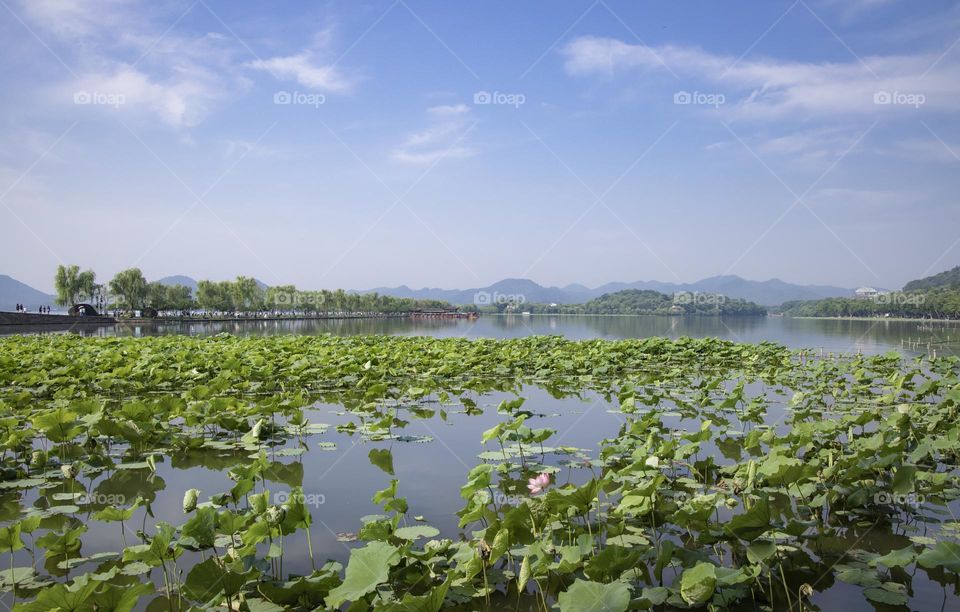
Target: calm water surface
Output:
[(435, 454), (832, 335)]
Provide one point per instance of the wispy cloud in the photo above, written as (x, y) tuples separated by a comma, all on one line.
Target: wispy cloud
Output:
[(851, 9), (774, 89), (156, 65), (442, 138), (135, 61), (305, 70), (876, 198)]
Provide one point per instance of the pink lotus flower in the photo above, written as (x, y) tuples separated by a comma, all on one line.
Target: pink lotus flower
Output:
[(538, 483)]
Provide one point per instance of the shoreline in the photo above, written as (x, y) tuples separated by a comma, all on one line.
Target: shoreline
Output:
[(645, 314), (18, 319), (898, 319)]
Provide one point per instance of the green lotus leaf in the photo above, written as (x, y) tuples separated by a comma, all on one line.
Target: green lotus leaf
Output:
[(944, 554), (368, 567), (698, 583), (383, 459), (753, 523), (416, 532), (587, 596)]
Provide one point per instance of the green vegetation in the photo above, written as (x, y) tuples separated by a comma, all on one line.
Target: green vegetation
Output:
[(169, 297), (949, 278), (740, 475), (643, 302), (932, 297), (71, 285), (941, 303), (130, 291)]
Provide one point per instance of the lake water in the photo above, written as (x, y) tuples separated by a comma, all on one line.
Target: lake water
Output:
[(831, 335), (435, 454)]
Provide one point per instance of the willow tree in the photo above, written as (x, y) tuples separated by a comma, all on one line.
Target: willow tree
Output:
[(247, 294), (212, 295), (72, 284), (131, 287)]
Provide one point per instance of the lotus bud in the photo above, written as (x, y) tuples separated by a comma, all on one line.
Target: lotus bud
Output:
[(751, 474), (190, 500), (276, 514), (903, 408), (38, 458), (806, 590), (257, 431), (483, 549), (69, 470)]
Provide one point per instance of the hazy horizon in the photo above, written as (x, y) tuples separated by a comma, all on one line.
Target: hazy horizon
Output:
[(101, 279), (385, 143)]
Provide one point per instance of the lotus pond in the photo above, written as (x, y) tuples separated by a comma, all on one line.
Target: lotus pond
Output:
[(419, 474)]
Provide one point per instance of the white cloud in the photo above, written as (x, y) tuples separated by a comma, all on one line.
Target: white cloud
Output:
[(443, 138), (773, 89), (865, 197), (850, 9), (125, 51), (150, 56), (76, 19), (304, 69), (828, 143), (181, 100)]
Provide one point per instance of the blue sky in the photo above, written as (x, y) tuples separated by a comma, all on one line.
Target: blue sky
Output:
[(452, 144)]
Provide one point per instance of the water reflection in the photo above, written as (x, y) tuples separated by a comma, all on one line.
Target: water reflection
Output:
[(830, 335)]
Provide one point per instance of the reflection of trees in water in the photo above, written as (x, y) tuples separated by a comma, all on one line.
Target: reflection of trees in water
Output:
[(639, 326), (835, 335), (306, 327), (909, 336)]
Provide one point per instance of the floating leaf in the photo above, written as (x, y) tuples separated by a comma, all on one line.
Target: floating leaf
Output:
[(416, 532), (368, 567), (698, 583), (584, 595)]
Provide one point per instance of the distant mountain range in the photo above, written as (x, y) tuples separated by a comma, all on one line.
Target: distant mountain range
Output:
[(766, 293), (186, 281), (179, 279), (13, 292)]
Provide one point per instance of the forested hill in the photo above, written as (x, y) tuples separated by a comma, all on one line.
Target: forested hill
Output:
[(950, 278), (640, 301)]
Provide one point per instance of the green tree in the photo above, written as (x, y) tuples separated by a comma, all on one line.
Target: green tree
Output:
[(246, 294), (179, 297), (131, 287), (212, 295), (156, 295), (72, 284)]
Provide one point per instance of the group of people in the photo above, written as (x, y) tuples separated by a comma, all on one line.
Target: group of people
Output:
[(41, 309)]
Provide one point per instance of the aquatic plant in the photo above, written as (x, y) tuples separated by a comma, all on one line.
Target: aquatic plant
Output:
[(740, 475)]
